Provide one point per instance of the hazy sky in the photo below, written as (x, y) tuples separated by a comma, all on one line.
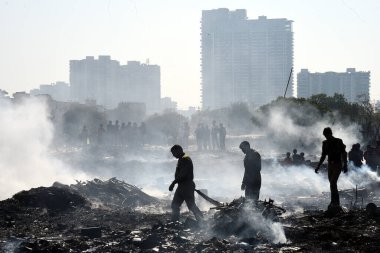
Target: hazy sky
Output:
[(39, 37)]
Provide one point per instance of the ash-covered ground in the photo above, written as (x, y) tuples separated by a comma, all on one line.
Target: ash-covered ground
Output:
[(128, 208)]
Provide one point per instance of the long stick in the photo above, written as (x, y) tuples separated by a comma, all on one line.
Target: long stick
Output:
[(291, 71), (212, 201)]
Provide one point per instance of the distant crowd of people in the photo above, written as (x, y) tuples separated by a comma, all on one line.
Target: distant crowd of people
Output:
[(134, 135), (211, 139), (130, 134), (296, 159)]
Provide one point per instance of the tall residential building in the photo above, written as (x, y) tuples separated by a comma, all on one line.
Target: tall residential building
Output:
[(141, 83), (110, 83), (244, 60), (351, 84)]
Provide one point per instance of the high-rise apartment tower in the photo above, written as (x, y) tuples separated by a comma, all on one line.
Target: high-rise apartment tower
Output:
[(244, 60)]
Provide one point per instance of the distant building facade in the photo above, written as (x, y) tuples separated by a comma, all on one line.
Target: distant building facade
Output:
[(350, 84), (167, 104), (110, 83), (244, 60), (59, 91)]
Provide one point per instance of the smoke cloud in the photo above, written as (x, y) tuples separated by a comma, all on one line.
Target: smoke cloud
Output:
[(25, 158)]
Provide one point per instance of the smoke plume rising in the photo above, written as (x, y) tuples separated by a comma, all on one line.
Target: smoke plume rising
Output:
[(25, 160)]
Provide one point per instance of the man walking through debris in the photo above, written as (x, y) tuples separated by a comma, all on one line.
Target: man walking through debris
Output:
[(252, 176), (335, 149), (185, 191)]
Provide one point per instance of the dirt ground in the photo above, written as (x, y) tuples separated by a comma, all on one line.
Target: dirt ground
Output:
[(79, 227)]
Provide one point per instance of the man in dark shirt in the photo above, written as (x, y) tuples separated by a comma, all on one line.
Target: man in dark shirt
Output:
[(335, 149), (370, 157), (185, 191), (252, 176), (356, 155)]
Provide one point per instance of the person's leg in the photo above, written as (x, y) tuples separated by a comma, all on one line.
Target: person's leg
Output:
[(252, 192), (190, 202), (176, 204), (334, 171), (188, 194)]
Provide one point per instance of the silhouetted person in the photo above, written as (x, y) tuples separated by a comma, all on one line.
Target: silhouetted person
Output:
[(377, 151), (302, 158), (184, 178), (84, 137), (116, 133), (134, 135), (252, 172), (214, 136), (109, 133), (356, 155), (206, 137), (287, 161), (335, 149), (101, 132), (122, 134), (109, 126), (370, 157), (198, 136), (117, 126), (296, 157), (128, 133), (222, 136), (142, 133)]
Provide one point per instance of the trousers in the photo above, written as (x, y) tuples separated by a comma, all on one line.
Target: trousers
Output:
[(185, 192), (334, 169)]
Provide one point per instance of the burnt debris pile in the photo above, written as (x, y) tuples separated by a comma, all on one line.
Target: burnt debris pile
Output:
[(246, 218), (31, 229), (52, 198), (112, 193)]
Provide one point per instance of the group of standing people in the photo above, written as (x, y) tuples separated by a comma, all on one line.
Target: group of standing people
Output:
[(295, 159), (114, 134), (372, 156), (211, 139)]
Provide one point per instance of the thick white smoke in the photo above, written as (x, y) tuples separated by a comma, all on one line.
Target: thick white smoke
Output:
[(25, 136), (282, 132)]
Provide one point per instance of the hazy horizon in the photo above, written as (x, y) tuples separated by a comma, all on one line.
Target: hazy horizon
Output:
[(40, 37)]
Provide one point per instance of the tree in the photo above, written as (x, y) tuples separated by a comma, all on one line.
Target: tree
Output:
[(164, 127)]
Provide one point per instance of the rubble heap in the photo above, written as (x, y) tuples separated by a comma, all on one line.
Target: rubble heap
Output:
[(113, 193), (52, 198), (30, 229), (235, 218)]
